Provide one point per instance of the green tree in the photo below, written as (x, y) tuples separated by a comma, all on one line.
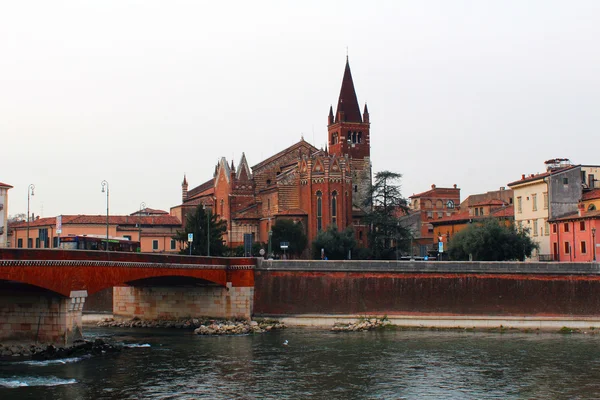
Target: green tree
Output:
[(239, 250), (491, 240), (204, 226), (383, 207), (336, 244), (286, 230)]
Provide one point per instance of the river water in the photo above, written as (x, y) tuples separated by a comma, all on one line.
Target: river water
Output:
[(317, 364)]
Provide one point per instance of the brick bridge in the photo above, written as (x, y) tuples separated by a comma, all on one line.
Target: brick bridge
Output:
[(42, 292)]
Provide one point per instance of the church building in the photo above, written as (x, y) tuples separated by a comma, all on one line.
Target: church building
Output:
[(317, 187)]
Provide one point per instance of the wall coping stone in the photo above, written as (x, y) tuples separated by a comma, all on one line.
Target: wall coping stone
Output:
[(456, 267)]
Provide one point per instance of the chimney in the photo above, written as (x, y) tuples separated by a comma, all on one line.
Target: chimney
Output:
[(522, 176), (454, 186), (433, 186), (502, 188)]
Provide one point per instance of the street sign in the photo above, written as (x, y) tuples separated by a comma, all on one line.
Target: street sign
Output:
[(284, 245), (441, 247), (59, 224), (190, 237)]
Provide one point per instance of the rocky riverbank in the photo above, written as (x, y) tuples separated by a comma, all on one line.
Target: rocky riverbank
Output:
[(200, 326), (367, 324), (51, 352)]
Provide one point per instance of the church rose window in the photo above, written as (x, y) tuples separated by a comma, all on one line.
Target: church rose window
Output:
[(319, 210)]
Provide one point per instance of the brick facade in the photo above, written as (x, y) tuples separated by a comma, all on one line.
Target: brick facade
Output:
[(315, 187)]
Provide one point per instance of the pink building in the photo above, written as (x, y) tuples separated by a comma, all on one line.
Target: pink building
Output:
[(573, 237)]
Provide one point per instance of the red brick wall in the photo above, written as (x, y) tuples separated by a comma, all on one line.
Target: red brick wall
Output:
[(302, 292)]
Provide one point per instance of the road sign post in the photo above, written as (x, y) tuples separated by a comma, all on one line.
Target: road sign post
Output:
[(190, 240)]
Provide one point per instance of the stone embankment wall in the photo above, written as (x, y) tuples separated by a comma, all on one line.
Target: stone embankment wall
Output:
[(182, 302), (285, 288)]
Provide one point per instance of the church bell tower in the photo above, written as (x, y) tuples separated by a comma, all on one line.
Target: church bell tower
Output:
[(349, 134)]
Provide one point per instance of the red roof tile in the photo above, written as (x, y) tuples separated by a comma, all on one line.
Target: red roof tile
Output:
[(203, 187), (101, 220), (292, 211), (535, 177), (595, 214), (492, 202), (591, 194)]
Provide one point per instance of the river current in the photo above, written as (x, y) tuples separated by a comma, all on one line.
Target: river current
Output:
[(317, 364)]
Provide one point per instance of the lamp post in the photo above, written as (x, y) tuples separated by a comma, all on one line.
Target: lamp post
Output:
[(208, 233), (29, 194), (105, 188), (594, 242), (142, 208), (207, 212)]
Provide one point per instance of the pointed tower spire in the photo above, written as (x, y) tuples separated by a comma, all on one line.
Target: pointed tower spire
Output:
[(184, 189), (366, 114), (330, 119), (348, 103)]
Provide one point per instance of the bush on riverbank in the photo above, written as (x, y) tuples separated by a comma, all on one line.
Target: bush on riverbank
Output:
[(201, 326), (363, 324)]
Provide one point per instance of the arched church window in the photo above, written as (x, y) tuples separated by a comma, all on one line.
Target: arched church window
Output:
[(319, 211), (353, 137), (592, 207), (222, 207), (334, 207), (359, 137), (349, 136)]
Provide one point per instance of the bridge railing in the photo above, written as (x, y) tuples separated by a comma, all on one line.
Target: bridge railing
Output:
[(109, 256)]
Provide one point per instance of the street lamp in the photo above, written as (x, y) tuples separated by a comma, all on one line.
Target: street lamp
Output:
[(105, 185), (594, 242), (29, 192), (142, 208)]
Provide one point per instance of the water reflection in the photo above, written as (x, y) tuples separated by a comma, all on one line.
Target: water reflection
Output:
[(320, 364)]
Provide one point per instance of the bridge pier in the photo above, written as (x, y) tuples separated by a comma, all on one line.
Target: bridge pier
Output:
[(40, 316), (172, 303)]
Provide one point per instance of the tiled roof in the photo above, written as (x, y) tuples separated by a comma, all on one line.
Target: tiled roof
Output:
[(6, 185), (504, 212), (438, 190), (101, 220), (293, 211), (591, 194), (150, 211), (203, 187), (595, 214), (492, 202), (295, 146), (535, 177)]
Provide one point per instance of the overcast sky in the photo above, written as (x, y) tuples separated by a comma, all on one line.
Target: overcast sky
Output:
[(140, 92)]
